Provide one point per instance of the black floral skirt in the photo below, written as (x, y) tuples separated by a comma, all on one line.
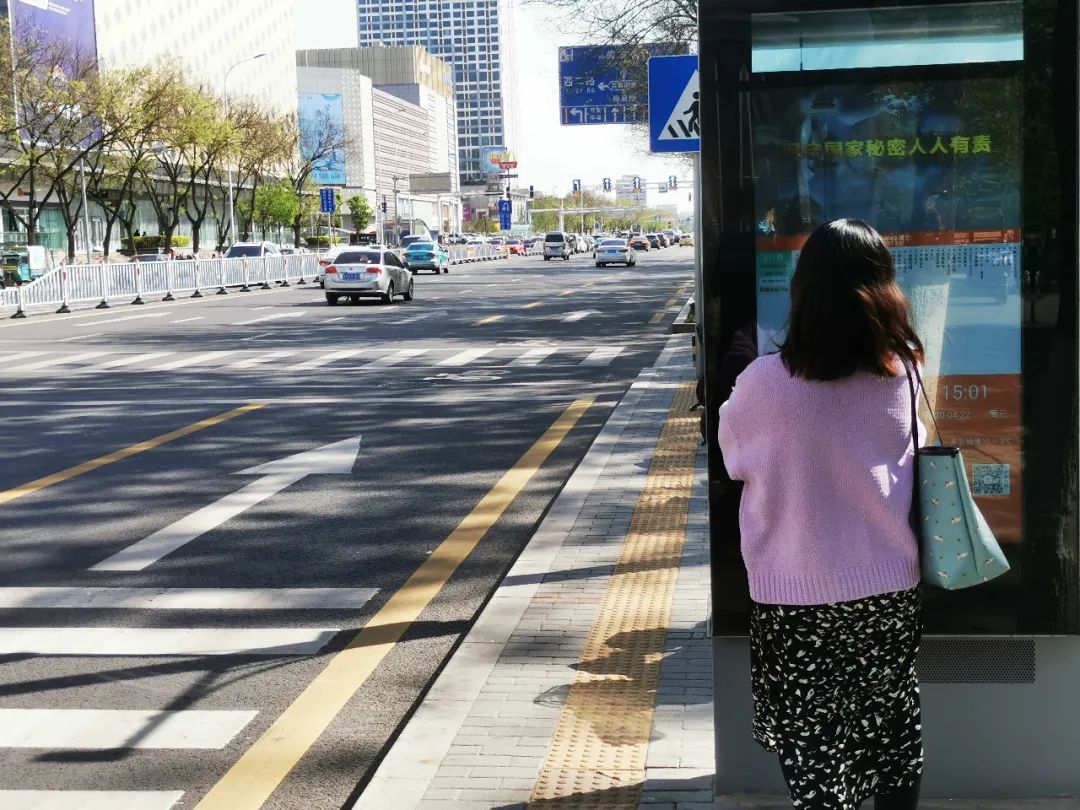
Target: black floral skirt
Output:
[(837, 698)]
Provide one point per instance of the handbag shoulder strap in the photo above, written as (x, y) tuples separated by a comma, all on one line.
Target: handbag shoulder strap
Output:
[(914, 406), (929, 407)]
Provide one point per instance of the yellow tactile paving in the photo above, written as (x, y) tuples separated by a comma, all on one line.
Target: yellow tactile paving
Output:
[(597, 756)]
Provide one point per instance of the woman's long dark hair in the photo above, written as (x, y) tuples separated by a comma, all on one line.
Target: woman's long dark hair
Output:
[(848, 313)]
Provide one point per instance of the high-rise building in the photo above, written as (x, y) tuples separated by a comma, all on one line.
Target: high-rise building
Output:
[(475, 37)]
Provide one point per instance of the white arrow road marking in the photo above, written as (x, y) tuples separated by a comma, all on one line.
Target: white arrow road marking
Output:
[(97, 729), (63, 360), (577, 316), (463, 358), (331, 459), (91, 799), (143, 641), (270, 318), (98, 322), (10, 358), (188, 320), (603, 357), (40, 598)]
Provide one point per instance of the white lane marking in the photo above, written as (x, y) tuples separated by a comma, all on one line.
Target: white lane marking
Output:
[(262, 358), (63, 360), (603, 357), (188, 320), (336, 458), (325, 359), (258, 309), (275, 317), (415, 318), (463, 358), (338, 318), (256, 337), (186, 598), (80, 337), (99, 729), (534, 357), (97, 322), (395, 358), (11, 358), (192, 360), (131, 360), (143, 641), (577, 316), (90, 799)]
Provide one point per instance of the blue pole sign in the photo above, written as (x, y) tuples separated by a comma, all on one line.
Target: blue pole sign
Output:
[(674, 122), (326, 200)]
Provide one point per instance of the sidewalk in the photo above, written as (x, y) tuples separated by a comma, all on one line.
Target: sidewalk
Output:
[(587, 681), (551, 695)]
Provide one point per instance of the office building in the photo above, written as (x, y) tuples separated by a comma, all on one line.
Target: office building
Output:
[(399, 118), (475, 38)]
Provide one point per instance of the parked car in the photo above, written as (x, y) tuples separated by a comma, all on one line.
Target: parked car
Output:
[(615, 251), (558, 245), (289, 250), (20, 264), (639, 242), (516, 247), (326, 259), (367, 273), (151, 257), (252, 250), (426, 256)]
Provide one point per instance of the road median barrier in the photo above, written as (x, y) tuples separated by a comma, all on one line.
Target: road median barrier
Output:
[(686, 321)]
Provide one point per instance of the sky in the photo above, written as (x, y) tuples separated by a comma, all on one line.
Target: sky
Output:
[(552, 156)]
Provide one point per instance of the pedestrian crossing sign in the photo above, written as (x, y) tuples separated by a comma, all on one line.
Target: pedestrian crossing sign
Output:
[(674, 120)]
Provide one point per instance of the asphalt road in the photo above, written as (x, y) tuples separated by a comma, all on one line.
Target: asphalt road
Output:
[(162, 607)]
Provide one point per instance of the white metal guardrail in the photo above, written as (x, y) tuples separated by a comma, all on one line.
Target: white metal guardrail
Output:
[(133, 282)]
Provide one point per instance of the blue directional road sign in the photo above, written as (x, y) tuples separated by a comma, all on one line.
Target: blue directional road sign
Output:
[(576, 186), (506, 210), (674, 124), (326, 200), (596, 88)]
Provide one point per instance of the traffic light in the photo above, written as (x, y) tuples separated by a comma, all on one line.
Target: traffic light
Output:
[(383, 206), (577, 186), (508, 192), (673, 182), (637, 184), (532, 193), (607, 184)]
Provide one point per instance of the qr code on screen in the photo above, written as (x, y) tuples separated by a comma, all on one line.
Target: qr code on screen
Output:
[(990, 479)]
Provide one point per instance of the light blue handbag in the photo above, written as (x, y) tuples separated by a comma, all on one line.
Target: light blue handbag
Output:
[(956, 547)]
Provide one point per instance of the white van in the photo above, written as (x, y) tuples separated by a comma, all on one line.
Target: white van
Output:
[(557, 245)]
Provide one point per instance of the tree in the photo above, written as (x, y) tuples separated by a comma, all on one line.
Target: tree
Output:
[(484, 224), (360, 212), (276, 204)]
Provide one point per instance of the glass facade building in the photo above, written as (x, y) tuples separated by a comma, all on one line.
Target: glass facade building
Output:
[(474, 36)]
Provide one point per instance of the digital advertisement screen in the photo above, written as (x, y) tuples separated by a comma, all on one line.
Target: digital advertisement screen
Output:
[(935, 167), (318, 114)]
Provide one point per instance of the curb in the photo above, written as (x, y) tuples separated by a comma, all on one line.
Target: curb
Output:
[(685, 322)]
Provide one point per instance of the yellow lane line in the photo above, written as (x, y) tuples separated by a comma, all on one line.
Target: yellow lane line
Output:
[(127, 452), (567, 292), (489, 319), (254, 777), (655, 319), (602, 738), (208, 298), (533, 305)]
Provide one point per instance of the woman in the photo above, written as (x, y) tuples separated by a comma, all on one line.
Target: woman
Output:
[(821, 435)]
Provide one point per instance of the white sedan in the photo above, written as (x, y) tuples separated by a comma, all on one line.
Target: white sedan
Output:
[(367, 273), (615, 251)]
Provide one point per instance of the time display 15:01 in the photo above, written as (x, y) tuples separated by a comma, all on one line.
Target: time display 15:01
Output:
[(958, 393)]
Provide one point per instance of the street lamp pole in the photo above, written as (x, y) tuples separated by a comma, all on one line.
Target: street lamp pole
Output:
[(85, 210), (225, 91)]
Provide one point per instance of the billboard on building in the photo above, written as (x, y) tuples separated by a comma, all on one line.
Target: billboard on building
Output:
[(318, 113), (494, 158), (435, 183), (71, 20)]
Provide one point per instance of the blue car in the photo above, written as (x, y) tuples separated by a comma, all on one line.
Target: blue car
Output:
[(426, 256)]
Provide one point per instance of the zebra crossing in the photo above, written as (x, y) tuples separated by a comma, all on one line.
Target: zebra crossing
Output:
[(371, 357), (55, 735)]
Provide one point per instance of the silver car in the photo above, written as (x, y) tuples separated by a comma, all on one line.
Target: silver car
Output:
[(371, 272), (615, 251)]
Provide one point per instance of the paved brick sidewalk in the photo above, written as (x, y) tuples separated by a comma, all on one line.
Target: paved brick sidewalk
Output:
[(482, 734)]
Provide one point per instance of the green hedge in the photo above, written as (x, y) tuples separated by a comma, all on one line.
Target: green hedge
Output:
[(320, 241), (149, 244)]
